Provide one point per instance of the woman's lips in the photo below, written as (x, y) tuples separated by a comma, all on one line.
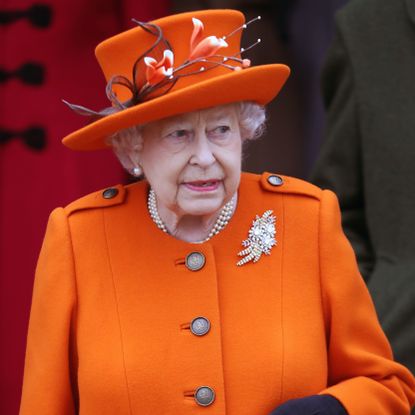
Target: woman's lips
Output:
[(203, 185)]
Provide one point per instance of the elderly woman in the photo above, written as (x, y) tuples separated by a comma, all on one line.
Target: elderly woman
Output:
[(200, 289)]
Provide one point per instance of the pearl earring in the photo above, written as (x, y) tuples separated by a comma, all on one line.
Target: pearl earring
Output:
[(136, 171)]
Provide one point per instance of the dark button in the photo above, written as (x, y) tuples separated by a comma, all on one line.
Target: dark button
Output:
[(275, 180), (195, 261), (34, 137), (40, 15), (200, 326), (110, 193), (204, 396), (30, 73)]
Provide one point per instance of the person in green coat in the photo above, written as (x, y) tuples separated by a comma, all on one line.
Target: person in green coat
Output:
[(368, 154)]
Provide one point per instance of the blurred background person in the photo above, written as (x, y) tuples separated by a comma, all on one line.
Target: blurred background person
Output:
[(368, 154)]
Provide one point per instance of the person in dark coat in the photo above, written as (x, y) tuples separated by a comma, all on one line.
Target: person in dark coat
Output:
[(368, 154)]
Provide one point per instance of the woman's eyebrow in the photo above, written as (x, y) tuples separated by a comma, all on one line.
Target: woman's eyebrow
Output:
[(219, 117)]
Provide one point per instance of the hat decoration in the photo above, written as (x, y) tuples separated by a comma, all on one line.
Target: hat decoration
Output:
[(154, 74)]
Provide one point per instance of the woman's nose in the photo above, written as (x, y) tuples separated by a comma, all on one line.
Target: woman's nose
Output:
[(202, 153)]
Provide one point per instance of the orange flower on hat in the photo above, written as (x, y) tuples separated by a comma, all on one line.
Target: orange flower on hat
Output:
[(158, 71), (203, 48)]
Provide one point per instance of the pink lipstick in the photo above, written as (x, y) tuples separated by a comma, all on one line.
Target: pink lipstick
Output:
[(203, 185)]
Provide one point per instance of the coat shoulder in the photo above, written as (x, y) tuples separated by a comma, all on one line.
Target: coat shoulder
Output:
[(110, 196), (280, 184), (268, 182)]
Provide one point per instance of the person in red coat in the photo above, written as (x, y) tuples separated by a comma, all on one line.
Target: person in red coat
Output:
[(46, 55)]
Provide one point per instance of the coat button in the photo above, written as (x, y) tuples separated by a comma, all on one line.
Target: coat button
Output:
[(110, 193), (275, 180), (204, 396), (195, 261), (200, 326)]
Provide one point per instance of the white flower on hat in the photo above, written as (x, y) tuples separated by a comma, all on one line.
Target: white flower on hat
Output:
[(203, 48), (158, 71)]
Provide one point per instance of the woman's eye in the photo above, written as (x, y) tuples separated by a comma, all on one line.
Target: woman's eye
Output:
[(220, 131), (178, 134), (178, 137)]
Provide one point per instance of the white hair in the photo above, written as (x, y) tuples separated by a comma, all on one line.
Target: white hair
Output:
[(128, 143)]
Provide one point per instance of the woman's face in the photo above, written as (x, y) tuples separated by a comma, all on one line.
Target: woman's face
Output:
[(193, 161)]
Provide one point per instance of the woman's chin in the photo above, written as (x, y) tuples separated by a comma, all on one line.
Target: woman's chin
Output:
[(201, 203), (202, 207)]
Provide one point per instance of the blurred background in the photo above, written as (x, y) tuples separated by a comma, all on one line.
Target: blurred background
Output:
[(47, 53)]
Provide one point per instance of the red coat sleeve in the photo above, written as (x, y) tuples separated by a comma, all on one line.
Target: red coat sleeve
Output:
[(47, 385), (361, 368)]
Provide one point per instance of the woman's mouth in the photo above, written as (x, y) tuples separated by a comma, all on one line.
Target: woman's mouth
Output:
[(203, 185)]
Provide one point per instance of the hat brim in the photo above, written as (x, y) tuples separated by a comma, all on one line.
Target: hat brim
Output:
[(259, 84)]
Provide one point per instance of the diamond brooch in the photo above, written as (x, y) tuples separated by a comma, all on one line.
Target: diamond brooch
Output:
[(261, 238)]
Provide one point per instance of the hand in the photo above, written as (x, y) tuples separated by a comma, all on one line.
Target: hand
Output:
[(311, 405)]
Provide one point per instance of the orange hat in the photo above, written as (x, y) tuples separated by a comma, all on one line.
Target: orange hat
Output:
[(177, 64)]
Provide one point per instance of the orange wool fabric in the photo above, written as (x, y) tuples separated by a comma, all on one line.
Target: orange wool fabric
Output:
[(113, 299)]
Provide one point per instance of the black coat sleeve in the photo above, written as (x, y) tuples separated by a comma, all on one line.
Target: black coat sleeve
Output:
[(311, 405)]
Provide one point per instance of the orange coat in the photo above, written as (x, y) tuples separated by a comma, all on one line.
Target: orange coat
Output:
[(113, 299)]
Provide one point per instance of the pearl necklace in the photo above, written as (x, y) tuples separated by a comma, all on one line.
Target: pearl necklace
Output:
[(222, 220)]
